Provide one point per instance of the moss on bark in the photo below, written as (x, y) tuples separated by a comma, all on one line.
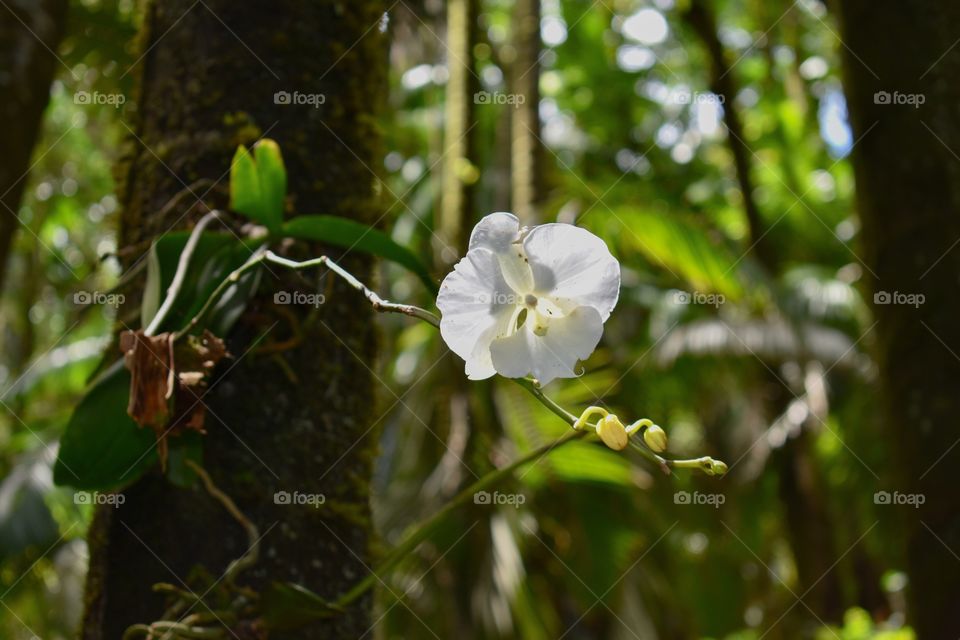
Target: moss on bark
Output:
[(207, 83)]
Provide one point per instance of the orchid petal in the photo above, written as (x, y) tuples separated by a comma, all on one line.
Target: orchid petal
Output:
[(477, 307), (573, 267), (549, 351), (500, 233)]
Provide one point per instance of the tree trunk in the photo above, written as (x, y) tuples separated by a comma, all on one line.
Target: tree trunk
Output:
[(297, 419), (703, 21), (30, 33), (908, 188), (526, 152), (459, 173), (809, 529)]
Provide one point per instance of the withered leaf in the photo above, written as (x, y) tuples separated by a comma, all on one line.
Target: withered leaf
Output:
[(168, 381), (150, 361)]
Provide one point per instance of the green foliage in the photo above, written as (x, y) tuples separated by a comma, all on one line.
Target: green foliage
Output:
[(353, 235), (623, 157), (859, 625), (102, 447), (258, 184), (290, 606), (213, 256), (273, 180), (683, 247)]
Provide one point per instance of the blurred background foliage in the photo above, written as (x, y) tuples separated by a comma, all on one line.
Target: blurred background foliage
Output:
[(750, 348)]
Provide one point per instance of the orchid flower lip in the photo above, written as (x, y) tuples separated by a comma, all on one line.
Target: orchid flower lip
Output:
[(528, 300)]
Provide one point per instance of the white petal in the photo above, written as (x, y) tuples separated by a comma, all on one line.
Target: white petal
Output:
[(500, 233), (476, 306), (573, 267), (553, 355), (495, 232)]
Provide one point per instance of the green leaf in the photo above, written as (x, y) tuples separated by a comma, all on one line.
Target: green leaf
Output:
[(233, 301), (258, 184), (683, 246), (227, 310), (290, 606), (590, 463), (102, 447), (273, 180), (164, 256), (245, 193), (343, 232)]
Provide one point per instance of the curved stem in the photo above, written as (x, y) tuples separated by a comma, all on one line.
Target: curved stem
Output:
[(263, 254), (423, 531), (249, 558), (378, 303), (255, 259), (181, 273), (534, 388)]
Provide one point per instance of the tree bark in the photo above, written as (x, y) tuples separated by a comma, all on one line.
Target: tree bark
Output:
[(459, 173), (30, 33), (297, 419), (908, 188), (526, 152)]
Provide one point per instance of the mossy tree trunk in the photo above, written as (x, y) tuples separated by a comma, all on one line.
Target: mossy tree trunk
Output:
[(292, 418), (907, 167)]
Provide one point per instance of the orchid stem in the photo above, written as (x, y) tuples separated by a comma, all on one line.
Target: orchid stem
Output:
[(378, 303), (423, 531), (181, 274), (706, 464)]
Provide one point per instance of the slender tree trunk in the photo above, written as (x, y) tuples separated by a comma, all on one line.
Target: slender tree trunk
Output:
[(703, 21), (908, 188), (296, 419), (525, 149), (459, 173), (809, 527), (30, 33)]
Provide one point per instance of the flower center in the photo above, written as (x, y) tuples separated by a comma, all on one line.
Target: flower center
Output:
[(530, 300)]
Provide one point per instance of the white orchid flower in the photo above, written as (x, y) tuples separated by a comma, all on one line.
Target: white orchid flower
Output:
[(528, 301)]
